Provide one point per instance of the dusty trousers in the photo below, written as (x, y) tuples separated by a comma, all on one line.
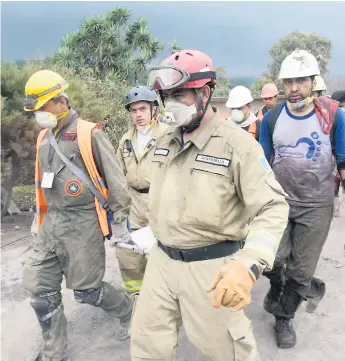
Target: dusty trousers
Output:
[(132, 267), (80, 257), (297, 258), (174, 293)]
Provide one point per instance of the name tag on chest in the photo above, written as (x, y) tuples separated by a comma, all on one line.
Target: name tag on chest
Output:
[(203, 158)]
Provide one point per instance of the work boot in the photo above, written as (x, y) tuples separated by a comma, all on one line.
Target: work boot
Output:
[(285, 333)]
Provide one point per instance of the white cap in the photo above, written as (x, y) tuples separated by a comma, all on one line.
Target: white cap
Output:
[(320, 84), (298, 64), (238, 97)]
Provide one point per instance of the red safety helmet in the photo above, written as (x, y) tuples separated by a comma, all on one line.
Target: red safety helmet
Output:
[(183, 69)]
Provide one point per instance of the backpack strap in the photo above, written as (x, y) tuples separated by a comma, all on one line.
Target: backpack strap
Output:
[(258, 126), (332, 133), (273, 116)]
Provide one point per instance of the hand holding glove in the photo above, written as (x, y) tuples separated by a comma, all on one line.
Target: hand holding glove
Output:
[(233, 284), (121, 233)]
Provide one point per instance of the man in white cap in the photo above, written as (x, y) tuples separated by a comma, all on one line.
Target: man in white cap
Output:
[(307, 131)]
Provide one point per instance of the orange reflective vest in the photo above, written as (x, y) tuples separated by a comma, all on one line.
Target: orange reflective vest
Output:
[(262, 112), (252, 129), (84, 130)]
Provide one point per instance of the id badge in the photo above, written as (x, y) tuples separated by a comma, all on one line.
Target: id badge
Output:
[(47, 180)]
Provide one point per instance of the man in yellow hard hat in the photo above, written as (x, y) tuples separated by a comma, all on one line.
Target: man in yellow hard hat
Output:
[(135, 154), (81, 198)]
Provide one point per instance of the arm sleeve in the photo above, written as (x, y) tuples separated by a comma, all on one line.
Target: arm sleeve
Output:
[(112, 174), (265, 138), (340, 140), (265, 201), (119, 156)]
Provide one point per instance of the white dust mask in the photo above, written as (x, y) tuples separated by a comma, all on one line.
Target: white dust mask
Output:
[(46, 119), (237, 115), (302, 104), (179, 114)]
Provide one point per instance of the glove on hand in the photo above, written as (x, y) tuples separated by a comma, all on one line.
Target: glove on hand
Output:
[(233, 284), (120, 234)]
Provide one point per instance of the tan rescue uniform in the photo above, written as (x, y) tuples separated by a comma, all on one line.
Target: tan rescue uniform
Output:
[(138, 174), (203, 193)]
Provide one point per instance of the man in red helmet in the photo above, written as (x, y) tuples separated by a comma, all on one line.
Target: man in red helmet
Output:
[(209, 176)]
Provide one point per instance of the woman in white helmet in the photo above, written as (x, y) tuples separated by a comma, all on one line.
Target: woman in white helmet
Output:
[(240, 99), (319, 86)]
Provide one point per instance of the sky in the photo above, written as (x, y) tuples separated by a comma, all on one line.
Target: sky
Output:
[(236, 35)]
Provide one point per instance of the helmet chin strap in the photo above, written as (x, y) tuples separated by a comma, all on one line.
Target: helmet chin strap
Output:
[(197, 122)]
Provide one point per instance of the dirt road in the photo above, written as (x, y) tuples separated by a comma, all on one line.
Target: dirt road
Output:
[(321, 336)]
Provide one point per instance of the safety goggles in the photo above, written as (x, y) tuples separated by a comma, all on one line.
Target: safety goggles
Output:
[(170, 77), (31, 100)]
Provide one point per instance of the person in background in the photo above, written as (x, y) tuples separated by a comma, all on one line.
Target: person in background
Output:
[(135, 154), (319, 88), (239, 102), (339, 96), (269, 96)]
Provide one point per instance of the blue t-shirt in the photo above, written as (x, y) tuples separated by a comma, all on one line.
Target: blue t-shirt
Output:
[(302, 156)]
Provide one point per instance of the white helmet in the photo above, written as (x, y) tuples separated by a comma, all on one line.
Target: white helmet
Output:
[(238, 97), (320, 84), (298, 64)]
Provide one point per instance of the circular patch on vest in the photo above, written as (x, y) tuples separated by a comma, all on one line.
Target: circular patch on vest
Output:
[(73, 188)]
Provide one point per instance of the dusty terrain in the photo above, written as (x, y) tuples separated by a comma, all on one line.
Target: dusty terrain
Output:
[(321, 336)]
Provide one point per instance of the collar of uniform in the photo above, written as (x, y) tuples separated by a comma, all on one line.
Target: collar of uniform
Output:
[(68, 120), (201, 135)]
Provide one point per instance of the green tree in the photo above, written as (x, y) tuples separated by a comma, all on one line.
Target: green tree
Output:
[(319, 46), (222, 86), (175, 46), (110, 44), (259, 83)]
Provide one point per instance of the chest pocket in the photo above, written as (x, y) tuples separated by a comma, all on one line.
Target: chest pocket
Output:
[(68, 190), (208, 191), (158, 168)]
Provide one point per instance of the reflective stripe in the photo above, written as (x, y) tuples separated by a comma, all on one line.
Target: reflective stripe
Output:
[(53, 293), (38, 212), (100, 297), (37, 184), (132, 286), (261, 242), (52, 313)]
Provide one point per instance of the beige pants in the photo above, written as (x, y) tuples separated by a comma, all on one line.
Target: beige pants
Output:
[(173, 293), (132, 267)]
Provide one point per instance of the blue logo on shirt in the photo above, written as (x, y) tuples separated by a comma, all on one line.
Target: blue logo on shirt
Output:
[(309, 148)]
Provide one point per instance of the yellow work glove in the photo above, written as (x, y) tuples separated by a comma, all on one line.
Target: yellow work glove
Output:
[(233, 284)]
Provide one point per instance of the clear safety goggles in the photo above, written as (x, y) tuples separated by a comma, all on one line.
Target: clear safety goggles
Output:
[(170, 77), (31, 100)]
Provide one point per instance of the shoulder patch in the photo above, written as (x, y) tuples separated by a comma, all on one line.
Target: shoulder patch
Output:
[(223, 162), (162, 151), (265, 165), (73, 188)]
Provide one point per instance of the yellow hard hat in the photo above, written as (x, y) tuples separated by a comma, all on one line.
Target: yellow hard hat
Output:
[(41, 87)]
